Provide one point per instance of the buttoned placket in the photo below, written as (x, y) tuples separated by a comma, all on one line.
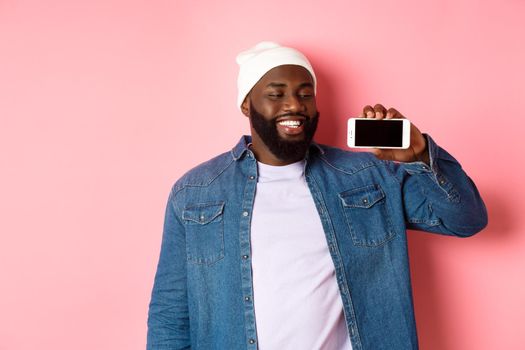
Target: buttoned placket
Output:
[(245, 254)]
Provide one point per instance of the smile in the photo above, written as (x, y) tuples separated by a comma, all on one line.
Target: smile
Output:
[(291, 123)]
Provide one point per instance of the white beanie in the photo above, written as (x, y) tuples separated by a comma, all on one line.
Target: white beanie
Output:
[(257, 61)]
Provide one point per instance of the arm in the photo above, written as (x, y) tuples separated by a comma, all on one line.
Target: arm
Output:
[(168, 318), (438, 196)]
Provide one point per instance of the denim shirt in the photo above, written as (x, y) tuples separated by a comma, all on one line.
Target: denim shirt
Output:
[(202, 294)]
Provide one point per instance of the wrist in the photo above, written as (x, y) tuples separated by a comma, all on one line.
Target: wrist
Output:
[(422, 154)]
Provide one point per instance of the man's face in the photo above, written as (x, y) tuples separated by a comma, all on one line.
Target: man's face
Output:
[(283, 115)]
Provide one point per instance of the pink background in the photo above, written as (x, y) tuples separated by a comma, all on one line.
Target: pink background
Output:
[(105, 103)]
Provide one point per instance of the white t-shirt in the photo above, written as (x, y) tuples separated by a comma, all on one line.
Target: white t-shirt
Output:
[(296, 297)]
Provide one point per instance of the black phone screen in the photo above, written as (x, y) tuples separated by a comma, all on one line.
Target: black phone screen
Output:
[(379, 133)]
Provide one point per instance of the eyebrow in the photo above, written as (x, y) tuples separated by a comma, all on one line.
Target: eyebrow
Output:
[(277, 85)]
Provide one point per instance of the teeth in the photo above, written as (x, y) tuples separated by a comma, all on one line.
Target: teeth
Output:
[(290, 123)]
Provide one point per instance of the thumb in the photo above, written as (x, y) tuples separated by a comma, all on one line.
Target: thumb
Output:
[(377, 152)]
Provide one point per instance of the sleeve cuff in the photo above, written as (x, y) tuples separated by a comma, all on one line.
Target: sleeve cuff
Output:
[(436, 154)]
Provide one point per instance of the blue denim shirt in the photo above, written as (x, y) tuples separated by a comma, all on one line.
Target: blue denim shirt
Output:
[(202, 294)]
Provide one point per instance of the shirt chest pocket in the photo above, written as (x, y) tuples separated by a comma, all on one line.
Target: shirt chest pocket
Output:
[(204, 232), (367, 215)]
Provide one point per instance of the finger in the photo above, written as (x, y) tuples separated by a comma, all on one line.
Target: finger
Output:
[(387, 154), (380, 111), (393, 113), (382, 154), (368, 111), (377, 152)]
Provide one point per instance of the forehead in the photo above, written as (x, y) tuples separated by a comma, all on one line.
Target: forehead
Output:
[(286, 74)]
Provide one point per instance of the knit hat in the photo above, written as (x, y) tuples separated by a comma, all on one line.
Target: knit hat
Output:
[(257, 61)]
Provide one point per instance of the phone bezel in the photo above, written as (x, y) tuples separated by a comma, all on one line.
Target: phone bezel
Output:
[(405, 135)]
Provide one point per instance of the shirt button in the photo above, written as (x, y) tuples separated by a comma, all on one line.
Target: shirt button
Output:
[(245, 213), (246, 298), (251, 341), (252, 177), (365, 201), (245, 257)]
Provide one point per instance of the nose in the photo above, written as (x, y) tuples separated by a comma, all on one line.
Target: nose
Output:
[(293, 104)]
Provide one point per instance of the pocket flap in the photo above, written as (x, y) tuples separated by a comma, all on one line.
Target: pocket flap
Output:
[(362, 197), (203, 213)]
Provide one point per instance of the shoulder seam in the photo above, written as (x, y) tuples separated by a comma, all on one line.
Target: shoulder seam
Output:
[(387, 167), (209, 182), (363, 166)]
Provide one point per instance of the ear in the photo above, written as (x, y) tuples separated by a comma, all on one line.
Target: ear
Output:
[(245, 106)]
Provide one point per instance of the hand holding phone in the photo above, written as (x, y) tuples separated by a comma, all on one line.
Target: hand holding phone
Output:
[(378, 133), (417, 145)]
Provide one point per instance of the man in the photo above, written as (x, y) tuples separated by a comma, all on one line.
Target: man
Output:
[(282, 243)]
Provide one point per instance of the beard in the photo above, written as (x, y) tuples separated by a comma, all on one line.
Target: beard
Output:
[(285, 150)]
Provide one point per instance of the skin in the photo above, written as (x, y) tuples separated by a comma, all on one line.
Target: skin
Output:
[(418, 145), (282, 90), (289, 89)]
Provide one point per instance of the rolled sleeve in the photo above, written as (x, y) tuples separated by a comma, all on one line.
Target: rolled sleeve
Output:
[(440, 197)]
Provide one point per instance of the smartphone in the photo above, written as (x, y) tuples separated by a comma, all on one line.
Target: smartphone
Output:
[(378, 133)]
